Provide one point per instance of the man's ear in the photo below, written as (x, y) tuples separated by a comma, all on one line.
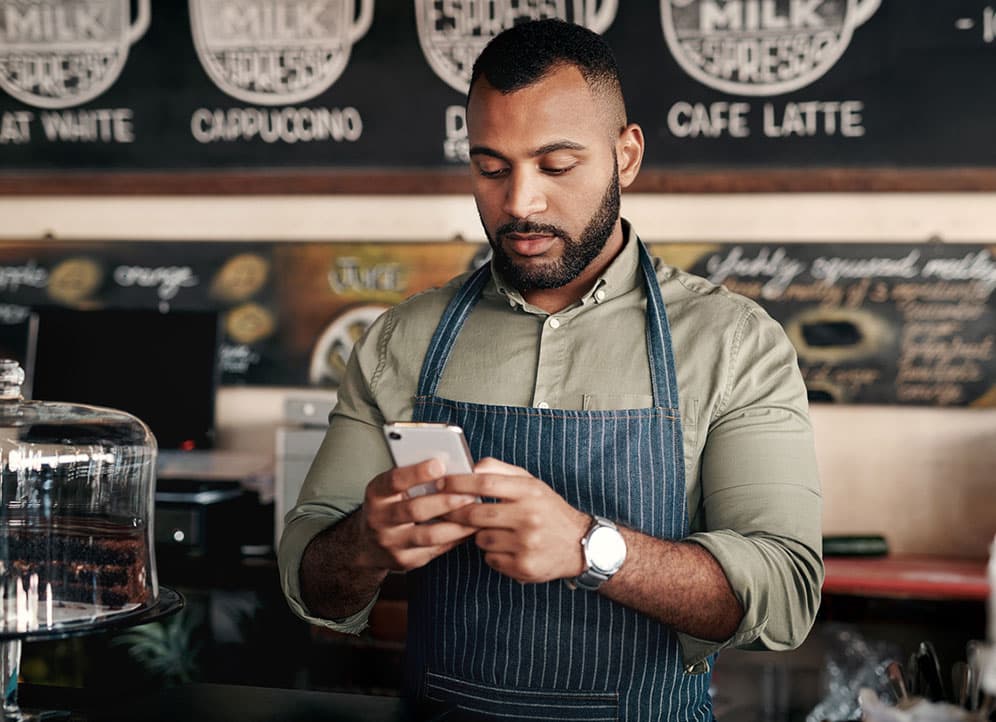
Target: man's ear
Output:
[(629, 153)]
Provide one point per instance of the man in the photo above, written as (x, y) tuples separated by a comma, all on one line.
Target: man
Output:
[(659, 462)]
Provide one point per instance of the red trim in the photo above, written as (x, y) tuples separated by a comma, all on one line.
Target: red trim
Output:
[(918, 577)]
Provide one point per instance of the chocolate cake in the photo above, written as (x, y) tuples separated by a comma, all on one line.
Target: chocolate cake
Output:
[(83, 565)]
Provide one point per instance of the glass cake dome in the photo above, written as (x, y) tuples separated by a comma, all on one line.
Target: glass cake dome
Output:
[(76, 501)]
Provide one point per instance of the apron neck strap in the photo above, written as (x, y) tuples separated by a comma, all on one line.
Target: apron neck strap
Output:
[(659, 351), (449, 327), (662, 370)]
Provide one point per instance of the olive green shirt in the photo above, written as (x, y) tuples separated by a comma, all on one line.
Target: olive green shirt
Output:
[(752, 485)]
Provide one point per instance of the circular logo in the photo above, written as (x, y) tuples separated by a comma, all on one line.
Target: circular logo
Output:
[(240, 277), (760, 47), (452, 35), (249, 323), (276, 53), (61, 53), (74, 280)]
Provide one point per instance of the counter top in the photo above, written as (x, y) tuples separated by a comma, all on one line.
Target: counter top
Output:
[(214, 703)]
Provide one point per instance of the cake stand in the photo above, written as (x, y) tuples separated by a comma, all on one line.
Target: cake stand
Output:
[(169, 603)]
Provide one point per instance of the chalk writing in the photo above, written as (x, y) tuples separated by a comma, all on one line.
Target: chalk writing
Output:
[(167, 280), (29, 274), (13, 314), (898, 323), (237, 358), (350, 275)]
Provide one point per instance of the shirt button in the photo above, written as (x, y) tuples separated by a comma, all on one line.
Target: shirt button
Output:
[(554, 323), (700, 667), (542, 405), (600, 295)]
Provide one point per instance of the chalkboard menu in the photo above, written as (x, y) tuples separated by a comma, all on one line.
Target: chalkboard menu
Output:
[(875, 323), (346, 88), (872, 323)]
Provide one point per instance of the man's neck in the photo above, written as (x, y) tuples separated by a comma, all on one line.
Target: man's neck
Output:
[(553, 300)]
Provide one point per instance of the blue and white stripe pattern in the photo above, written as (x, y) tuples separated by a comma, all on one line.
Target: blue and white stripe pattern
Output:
[(492, 648)]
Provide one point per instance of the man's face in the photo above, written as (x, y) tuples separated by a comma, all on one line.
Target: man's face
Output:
[(545, 177)]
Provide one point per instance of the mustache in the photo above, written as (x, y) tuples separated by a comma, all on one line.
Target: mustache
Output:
[(526, 227)]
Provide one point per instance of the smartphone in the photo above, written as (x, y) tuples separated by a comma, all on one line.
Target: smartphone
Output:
[(415, 442)]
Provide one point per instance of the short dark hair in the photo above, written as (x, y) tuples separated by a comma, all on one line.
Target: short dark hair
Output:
[(526, 52)]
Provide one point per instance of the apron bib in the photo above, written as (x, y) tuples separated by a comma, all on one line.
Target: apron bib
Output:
[(483, 646)]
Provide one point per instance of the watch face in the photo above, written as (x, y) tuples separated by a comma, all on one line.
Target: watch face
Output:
[(606, 549)]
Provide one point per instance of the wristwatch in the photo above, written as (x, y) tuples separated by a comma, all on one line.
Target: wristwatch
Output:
[(604, 553)]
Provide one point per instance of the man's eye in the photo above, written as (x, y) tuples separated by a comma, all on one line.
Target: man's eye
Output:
[(490, 173), (558, 171)]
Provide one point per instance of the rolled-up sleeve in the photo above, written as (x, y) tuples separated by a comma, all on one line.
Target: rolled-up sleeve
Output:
[(761, 502), (303, 524), (351, 454)]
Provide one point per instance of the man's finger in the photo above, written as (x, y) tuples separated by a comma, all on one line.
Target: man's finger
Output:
[(440, 534), (491, 465), (429, 487), (402, 478), (486, 516), (501, 562), (498, 540), (495, 486), (424, 508), (399, 542), (418, 557)]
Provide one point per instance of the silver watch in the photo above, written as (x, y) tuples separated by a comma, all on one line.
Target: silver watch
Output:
[(604, 553)]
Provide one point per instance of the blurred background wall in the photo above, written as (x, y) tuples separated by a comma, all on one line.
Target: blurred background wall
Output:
[(921, 476)]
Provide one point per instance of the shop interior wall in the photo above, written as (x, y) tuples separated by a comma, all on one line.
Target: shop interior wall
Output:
[(922, 476)]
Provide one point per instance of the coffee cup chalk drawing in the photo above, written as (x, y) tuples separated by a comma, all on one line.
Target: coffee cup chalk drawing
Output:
[(452, 35), (63, 53), (277, 53), (761, 47)]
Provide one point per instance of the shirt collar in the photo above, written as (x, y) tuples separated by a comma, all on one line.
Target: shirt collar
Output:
[(620, 277)]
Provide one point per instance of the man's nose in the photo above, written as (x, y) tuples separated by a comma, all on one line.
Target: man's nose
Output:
[(524, 195)]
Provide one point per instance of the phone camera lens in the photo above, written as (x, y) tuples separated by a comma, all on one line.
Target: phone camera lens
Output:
[(394, 435)]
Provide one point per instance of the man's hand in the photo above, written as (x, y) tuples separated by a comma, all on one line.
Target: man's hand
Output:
[(392, 518), (343, 567), (531, 534)]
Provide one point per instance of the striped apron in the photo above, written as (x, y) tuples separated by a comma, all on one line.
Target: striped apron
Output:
[(484, 646)]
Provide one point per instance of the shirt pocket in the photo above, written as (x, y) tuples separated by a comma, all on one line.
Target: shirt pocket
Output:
[(460, 699), (616, 402)]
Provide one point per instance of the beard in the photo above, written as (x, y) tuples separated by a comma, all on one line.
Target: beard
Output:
[(577, 254)]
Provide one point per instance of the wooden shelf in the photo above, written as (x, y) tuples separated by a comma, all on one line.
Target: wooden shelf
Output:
[(378, 181)]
